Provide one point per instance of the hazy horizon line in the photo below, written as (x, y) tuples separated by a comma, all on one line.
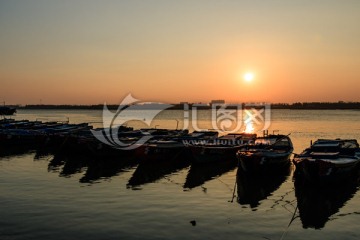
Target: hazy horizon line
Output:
[(191, 103)]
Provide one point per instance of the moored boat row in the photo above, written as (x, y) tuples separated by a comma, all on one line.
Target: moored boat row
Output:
[(263, 162), (36, 133), (325, 160), (143, 144)]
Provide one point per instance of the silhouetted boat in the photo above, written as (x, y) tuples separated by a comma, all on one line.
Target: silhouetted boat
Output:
[(222, 148), (328, 160), (8, 123), (163, 150), (17, 137), (267, 153), (253, 188), (198, 137), (173, 145), (317, 204), (35, 133), (199, 173), (127, 143), (7, 110)]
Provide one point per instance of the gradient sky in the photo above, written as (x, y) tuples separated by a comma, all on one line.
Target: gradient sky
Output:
[(90, 52)]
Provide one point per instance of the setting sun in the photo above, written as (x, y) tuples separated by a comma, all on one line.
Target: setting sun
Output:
[(248, 77)]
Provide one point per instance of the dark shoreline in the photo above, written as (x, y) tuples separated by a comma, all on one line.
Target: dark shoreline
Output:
[(295, 106)]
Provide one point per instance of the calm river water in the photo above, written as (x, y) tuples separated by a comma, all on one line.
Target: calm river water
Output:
[(42, 197)]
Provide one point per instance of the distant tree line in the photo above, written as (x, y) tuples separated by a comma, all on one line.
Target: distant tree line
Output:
[(317, 105), (63, 106), (297, 105)]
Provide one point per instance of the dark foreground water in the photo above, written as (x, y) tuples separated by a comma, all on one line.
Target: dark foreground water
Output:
[(47, 196)]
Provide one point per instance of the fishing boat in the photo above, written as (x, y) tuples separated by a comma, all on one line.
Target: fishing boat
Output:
[(19, 137), (13, 124), (161, 150), (267, 152), (199, 137), (7, 110), (222, 148), (109, 146), (172, 145), (16, 133), (126, 142), (328, 160)]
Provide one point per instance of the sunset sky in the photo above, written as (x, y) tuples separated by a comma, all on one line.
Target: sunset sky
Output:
[(91, 52)]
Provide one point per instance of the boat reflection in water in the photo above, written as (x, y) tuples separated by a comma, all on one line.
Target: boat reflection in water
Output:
[(105, 168), (199, 173), (317, 203), (252, 187), (151, 170), (95, 168), (7, 152)]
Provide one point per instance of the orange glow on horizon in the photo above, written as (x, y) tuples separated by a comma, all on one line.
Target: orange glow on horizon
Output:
[(93, 57)]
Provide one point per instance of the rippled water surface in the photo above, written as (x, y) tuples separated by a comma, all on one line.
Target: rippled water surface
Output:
[(47, 196)]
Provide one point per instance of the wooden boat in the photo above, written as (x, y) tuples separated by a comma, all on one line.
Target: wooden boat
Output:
[(163, 150), (172, 145), (201, 137), (16, 133), (18, 137), (222, 148), (268, 152), (7, 110), (58, 136), (130, 140), (12, 124), (328, 160)]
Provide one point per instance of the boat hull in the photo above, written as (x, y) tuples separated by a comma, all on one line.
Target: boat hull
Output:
[(324, 171), (162, 151), (204, 154), (328, 160), (263, 161)]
